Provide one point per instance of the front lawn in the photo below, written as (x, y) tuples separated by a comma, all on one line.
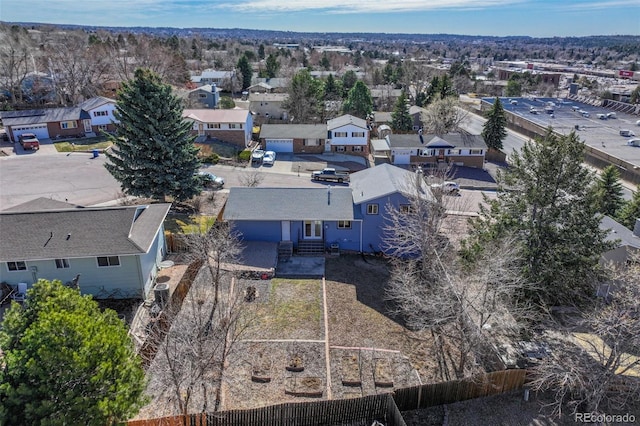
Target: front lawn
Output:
[(85, 144)]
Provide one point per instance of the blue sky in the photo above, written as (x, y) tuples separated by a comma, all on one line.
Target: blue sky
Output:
[(538, 18)]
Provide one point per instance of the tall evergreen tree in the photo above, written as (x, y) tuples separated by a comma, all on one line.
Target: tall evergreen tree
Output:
[(349, 80), (331, 89), (546, 202), (432, 91), (273, 66), (630, 211), (154, 155), (304, 92), (245, 69), (400, 119), (609, 191), (494, 130), (359, 101), (66, 362)]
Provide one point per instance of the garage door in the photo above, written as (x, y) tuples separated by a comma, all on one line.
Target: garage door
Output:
[(40, 130), (400, 158), (279, 145)]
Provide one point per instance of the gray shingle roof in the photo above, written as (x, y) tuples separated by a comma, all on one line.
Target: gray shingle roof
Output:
[(262, 204), (343, 120), (293, 131), (96, 102), (382, 180), (94, 231), (620, 232), (42, 203), (450, 140), (48, 115)]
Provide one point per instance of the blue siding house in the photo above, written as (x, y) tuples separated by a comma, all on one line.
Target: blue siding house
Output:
[(352, 218), (115, 250)]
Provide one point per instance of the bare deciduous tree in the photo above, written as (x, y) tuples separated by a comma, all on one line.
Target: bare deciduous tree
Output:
[(597, 369), (190, 364), (461, 310), (15, 59), (79, 70), (444, 116), (251, 179), (189, 367)]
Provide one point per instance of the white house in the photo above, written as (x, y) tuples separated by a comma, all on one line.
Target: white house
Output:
[(228, 125), (348, 134), (101, 110)]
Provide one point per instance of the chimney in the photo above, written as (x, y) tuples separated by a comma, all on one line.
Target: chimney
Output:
[(636, 228), (419, 179)]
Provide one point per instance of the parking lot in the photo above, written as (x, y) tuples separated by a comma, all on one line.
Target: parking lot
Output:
[(601, 134)]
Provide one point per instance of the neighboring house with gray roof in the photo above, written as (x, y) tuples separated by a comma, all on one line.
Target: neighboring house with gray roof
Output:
[(101, 110), (228, 125), (47, 122), (276, 85), (206, 96), (298, 138), (627, 241), (268, 106), (115, 250), (350, 218), (459, 149)]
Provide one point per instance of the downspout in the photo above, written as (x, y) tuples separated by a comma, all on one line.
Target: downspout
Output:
[(361, 222)]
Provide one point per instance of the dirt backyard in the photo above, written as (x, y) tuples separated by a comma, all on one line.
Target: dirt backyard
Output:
[(309, 340)]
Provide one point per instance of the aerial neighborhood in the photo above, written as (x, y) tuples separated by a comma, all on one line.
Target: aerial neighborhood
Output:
[(261, 227)]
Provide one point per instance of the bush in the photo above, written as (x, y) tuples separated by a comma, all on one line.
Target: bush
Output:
[(244, 155), (212, 158)]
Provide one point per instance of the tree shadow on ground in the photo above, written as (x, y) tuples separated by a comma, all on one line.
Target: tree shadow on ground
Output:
[(369, 275)]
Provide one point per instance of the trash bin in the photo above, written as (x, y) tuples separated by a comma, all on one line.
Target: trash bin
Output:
[(96, 153)]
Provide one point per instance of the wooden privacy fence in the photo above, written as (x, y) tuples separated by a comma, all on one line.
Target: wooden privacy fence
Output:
[(327, 412), (441, 393), (385, 408)]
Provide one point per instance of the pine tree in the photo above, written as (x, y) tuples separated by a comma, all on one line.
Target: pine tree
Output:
[(630, 211), (245, 69), (332, 89), (66, 362), (494, 130), (546, 202), (359, 101), (304, 97), (154, 155), (400, 119), (273, 66), (609, 191)]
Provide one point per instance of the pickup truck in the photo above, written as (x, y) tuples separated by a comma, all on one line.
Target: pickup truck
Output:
[(330, 175), (29, 141)]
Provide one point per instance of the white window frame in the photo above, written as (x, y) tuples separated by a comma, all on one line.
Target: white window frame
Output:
[(100, 113), (311, 142), (109, 260), (372, 208), (62, 263), (18, 265), (211, 126), (340, 134), (103, 127), (340, 148), (71, 124), (344, 224), (357, 134), (475, 152), (356, 148)]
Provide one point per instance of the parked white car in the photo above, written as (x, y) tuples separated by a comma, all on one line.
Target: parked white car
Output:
[(269, 158), (211, 181), (257, 156), (446, 187)]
